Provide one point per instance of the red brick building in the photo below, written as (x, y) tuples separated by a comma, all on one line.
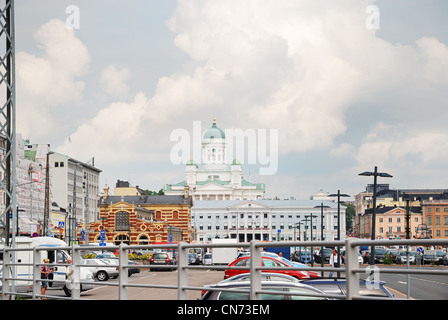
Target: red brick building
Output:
[(143, 219)]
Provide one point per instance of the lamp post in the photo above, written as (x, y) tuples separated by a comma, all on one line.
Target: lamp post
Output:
[(375, 174), (306, 235), (311, 216), (339, 195)]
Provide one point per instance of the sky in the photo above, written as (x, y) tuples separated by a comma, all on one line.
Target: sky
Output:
[(346, 85)]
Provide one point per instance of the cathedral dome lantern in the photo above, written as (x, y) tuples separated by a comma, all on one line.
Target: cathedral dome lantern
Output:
[(214, 132), (214, 148)]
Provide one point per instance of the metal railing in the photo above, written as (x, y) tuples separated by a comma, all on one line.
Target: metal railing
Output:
[(352, 268)]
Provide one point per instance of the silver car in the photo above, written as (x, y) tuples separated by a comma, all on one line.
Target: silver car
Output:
[(100, 268), (402, 257)]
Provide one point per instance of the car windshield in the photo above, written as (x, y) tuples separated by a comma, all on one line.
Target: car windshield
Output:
[(440, 253), (380, 251), (229, 295), (159, 255)]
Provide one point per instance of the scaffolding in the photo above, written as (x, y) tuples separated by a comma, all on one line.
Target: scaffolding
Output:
[(8, 221)]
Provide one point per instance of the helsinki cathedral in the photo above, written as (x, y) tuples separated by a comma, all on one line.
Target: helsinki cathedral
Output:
[(215, 179)]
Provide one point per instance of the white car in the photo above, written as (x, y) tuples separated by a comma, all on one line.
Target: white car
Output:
[(402, 257), (207, 259), (100, 268)]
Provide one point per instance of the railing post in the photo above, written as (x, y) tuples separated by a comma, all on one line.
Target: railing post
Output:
[(76, 273), (6, 284), (123, 273), (37, 283), (255, 275), (351, 263), (182, 272)]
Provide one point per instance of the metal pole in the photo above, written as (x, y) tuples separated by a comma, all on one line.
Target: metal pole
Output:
[(322, 235), (372, 236), (8, 216), (408, 236)]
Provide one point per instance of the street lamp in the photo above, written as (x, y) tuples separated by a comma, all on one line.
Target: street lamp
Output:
[(311, 216), (339, 195), (375, 174)]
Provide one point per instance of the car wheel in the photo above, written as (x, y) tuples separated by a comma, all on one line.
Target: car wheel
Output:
[(102, 275)]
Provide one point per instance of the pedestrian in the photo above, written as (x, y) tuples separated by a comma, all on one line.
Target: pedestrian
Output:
[(333, 261), (44, 275)]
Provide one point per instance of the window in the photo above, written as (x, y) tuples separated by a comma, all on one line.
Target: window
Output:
[(122, 221), (269, 263)]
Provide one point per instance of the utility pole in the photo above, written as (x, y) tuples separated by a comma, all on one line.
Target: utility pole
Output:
[(9, 213), (7, 122), (46, 231)]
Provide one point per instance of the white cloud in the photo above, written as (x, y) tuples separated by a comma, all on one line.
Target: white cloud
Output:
[(302, 67), (47, 82), (113, 134), (114, 81)]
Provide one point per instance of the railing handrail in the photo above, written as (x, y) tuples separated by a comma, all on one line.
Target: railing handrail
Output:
[(352, 269)]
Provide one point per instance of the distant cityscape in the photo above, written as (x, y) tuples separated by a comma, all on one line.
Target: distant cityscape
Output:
[(212, 201)]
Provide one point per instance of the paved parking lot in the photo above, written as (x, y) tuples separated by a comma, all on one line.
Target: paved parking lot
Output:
[(196, 278)]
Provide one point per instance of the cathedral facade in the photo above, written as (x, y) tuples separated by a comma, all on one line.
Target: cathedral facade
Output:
[(215, 179)]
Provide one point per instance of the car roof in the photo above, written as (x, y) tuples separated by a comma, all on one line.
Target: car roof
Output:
[(332, 280), (238, 277), (264, 283)]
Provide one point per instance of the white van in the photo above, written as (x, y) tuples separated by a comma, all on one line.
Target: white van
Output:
[(55, 256)]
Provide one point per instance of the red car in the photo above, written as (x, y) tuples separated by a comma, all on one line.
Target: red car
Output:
[(276, 264)]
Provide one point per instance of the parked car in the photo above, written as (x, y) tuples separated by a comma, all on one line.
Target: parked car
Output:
[(100, 269), (380, 255), (105, 255), (207, 259), (115, 261), (303, 256), (161, 259), (395, 254), (338, 287), (402, 257), (265, 276), (433, 257), (286, 288), (360, 258), (365, 254), (325, 253), (193, 258), (131, 270), (278, 266)]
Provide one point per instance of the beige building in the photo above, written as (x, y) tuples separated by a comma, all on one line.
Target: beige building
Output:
[(390, 222), (436, 218)]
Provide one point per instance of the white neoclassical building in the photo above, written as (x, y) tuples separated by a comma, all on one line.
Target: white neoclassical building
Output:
[(215, 179), (267, 220)]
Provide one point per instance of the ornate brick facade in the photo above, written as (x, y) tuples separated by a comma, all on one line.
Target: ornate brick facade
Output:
[(143, 219)]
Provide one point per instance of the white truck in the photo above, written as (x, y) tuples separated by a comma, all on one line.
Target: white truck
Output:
[(224, 255), (55, 256)]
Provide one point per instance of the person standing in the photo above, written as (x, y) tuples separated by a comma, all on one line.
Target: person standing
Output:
[(44, 275), (333, 261)]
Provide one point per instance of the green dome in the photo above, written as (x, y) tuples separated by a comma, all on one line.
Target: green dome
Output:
[(214, 132)]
